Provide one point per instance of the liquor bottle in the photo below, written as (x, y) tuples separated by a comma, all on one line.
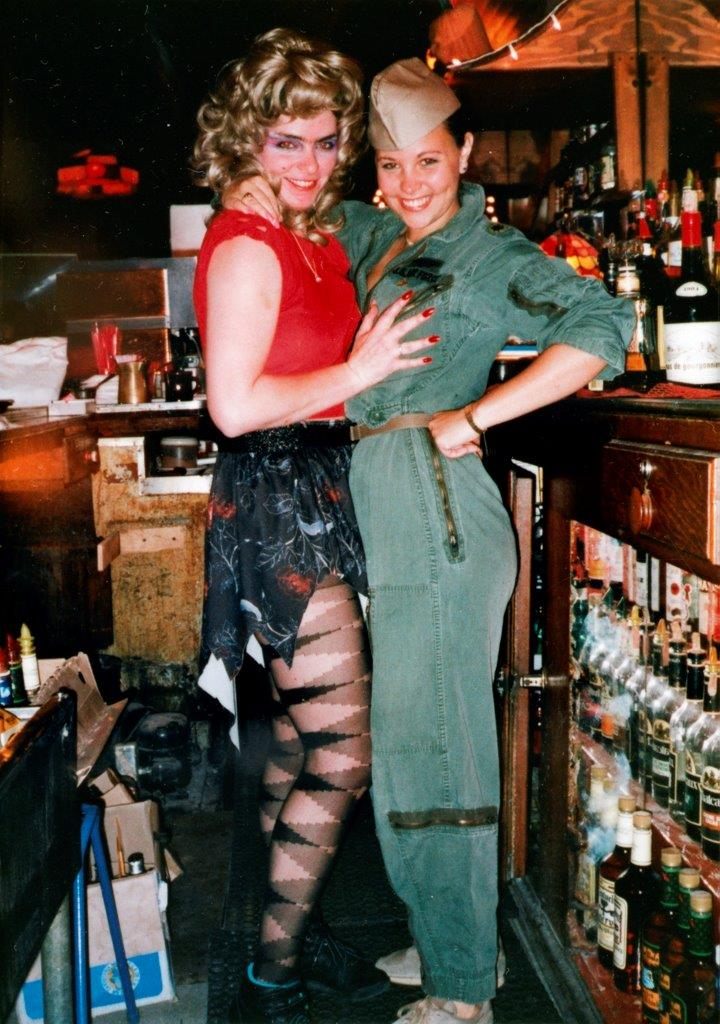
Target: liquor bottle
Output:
[(692, 328), (16, 672), (635, 687), (655, 685), (673, 950), (688, 196), (586, 863), (29, 662), (710, 782), (695, 739), (635, 894), (611, 867), (657, 927), (664, 773), (712, 195), (681, 721), (641, 361), (629, 647), (601, 840), (693, 983)]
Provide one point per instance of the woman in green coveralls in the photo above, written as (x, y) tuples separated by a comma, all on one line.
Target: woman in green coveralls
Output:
[(441, 552)]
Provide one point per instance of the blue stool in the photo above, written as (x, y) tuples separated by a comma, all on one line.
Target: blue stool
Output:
[(91, 835)]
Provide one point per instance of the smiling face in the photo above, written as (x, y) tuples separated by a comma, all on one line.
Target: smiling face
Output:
[(420, 183), (299, 155)]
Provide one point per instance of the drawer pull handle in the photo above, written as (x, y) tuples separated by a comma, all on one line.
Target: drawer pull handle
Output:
[(641, 510)]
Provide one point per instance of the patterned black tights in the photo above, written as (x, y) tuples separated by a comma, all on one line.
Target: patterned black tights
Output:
[(318, 767)]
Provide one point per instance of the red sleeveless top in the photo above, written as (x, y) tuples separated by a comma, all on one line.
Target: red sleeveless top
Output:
[(317, 319)]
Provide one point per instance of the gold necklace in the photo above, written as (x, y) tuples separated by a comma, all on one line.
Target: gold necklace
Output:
[(308, 263)]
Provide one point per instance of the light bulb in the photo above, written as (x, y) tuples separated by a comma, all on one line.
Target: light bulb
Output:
[(513, 51), (555, 22)]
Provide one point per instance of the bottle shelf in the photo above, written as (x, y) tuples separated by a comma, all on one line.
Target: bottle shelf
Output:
[(666, 831)]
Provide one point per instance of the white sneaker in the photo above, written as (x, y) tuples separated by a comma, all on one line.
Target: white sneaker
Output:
[(403, 967), (442, 1011)]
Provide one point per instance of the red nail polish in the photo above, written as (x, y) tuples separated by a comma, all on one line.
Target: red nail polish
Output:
[(433, 339), (408, 294), (427, 359), (428, 312)]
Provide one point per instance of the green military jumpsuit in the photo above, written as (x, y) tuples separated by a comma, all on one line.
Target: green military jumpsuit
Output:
[(441, 557)]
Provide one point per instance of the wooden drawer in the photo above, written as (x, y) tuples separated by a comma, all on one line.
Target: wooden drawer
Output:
[(669, 496)]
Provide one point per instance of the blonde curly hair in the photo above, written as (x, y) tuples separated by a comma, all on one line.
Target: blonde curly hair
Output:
[(284, 73)]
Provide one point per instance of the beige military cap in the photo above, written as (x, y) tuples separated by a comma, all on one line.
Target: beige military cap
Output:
[(407, 100)]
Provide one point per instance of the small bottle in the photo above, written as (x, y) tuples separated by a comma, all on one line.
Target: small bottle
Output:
[(697, 735), (664, 772), (657, 927), (586, 865), (710, 785), (5, 681), (16, 672), (693, 983), (655, 686), (635, 895), (28, 660), (610, 869)]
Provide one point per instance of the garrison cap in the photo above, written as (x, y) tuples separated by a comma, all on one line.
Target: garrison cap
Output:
[(407, 100)]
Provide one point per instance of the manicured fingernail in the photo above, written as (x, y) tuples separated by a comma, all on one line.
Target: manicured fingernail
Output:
[(427, 359), (433, 339), (428, 312), (408, 294)]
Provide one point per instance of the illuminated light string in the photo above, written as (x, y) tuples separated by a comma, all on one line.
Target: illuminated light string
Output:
[(551, 17)]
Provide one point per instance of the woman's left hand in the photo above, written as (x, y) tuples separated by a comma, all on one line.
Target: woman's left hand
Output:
[(453, 435)]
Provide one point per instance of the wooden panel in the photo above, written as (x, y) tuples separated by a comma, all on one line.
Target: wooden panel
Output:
[(94, 294), (657, 115), (627, 121), (682, 485)]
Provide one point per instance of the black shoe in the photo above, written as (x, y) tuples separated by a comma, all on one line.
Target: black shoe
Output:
[(254, 1004), (328, 965)]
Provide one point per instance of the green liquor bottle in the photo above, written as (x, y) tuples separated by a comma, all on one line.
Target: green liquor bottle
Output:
[(681, 721), (693, 983), (658, 926)]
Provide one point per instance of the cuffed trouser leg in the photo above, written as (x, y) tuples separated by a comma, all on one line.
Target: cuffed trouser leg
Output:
[(436, 790)]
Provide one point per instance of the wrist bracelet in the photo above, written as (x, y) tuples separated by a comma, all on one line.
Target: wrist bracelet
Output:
[(468, 416)]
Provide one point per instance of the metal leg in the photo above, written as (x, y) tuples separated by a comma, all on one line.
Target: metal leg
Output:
[(90, 830), (81, 965), (56, 956)]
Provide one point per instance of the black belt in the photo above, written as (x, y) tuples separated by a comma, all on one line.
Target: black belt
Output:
[(293, 438)]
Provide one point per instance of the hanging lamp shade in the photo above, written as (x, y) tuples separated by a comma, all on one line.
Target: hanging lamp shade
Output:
[(458, 35), (579, 253)]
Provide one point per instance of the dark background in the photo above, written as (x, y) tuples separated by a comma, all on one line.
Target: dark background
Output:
[(126, 77)]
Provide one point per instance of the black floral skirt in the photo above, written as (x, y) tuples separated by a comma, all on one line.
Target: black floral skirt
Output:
[(278, 523)]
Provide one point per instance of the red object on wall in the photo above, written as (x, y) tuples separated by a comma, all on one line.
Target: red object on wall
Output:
[(96, 177)]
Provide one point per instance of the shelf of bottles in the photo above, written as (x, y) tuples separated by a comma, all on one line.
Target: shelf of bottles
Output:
[(645, 782), (658, 247)]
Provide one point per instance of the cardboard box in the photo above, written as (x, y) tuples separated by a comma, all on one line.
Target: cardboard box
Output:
[(132, 827), (95, 719), (140, 900)]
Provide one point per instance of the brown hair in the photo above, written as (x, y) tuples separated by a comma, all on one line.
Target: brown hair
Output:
[(284, 73)]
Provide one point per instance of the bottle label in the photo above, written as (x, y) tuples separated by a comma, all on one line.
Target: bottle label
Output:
[(620, 936), (692, 352), (691, 290), (650, 977), (678, 1009), (606, 913), (692, 793), (710, 802)]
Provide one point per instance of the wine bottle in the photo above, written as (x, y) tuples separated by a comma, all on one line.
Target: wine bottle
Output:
[(610, 869), (635, 895), (692, 328)]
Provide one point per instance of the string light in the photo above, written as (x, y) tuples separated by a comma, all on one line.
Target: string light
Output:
[(512, 51), (555, 22), (484, 58)]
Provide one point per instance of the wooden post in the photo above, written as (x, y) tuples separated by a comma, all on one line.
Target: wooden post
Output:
[(627, 121), (657, 116)]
